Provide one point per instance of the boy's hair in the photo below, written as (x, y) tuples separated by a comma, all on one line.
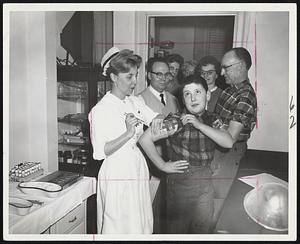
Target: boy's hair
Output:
[(195, 78)]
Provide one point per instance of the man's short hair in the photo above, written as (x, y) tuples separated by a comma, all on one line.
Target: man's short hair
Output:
[(153, 60), (243, 54), (175, 58), (206, 61)]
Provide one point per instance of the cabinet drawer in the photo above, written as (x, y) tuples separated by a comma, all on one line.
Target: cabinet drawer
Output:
[(80, 229), (71, 220)]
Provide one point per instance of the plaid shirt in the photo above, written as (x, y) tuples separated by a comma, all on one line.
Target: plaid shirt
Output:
[(238, 103), (191, 144)]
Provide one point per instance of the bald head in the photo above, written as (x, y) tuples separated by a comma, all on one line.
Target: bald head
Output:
[(243, 54), (235, 65)]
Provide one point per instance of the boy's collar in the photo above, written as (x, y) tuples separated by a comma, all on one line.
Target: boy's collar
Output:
[(185, 111)]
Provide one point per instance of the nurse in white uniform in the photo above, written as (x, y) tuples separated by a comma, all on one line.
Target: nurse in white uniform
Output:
[(116, 123)]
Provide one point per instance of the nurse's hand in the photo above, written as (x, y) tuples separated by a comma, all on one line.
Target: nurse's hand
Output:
[(175, 167), (131, 122)]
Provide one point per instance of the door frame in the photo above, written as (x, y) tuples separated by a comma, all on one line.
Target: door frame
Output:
[(242, 24)]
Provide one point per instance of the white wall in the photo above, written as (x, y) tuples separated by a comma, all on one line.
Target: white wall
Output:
[(130, 31), (124, 29), (32, 89), (272, 69), (272, 47)]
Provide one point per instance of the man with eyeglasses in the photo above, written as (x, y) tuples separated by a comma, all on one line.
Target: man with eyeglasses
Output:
[(155, 95), (236, 109), (209, 69), (161, 101)]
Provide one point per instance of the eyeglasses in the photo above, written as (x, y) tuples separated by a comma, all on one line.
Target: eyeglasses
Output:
[(160, 75), (208, 72), (227, 66)]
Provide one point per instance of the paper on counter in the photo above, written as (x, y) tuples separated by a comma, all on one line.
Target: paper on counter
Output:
[(259, 179)]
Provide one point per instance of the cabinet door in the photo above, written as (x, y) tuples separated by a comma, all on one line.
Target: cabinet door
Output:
[(102, 87), (73, 126)]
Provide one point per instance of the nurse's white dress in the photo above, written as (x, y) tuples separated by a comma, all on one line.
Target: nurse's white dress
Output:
[(123, 195)]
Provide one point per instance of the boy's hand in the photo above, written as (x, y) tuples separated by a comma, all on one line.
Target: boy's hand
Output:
[(190, 118), (175, 167)]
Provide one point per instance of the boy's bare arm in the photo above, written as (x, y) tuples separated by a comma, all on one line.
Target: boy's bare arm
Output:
[(147, 143)]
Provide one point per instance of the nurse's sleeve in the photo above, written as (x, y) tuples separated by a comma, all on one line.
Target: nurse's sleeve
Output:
[(147, 113), (99, 132)]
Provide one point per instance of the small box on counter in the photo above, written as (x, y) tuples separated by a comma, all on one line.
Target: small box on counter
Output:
[(25, 171)]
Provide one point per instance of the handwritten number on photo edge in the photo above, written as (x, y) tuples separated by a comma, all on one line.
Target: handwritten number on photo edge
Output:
[(293, 123), (292, 117), (291, 104)]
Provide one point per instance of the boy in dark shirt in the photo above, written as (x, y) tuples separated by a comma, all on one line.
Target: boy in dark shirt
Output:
[(189, 195)]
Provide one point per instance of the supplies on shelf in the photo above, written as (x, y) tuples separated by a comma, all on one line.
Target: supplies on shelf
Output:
[(78, 140), (71, 90), (74, 118), (77, 156)]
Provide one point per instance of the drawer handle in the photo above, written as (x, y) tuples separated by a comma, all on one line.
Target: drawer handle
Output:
[(71, 221)]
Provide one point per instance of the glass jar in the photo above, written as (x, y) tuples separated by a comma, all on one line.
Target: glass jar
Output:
[(172, 121), (84, 160), (84, 155)]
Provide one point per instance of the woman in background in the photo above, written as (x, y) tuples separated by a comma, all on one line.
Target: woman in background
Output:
[(209, 69), (116, 123)]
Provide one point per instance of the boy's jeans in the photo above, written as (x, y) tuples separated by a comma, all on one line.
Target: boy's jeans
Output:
[(189, 201)]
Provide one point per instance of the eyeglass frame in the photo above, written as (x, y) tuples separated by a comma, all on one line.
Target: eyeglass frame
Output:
[(207, 72), (162, 75), (228, 66)]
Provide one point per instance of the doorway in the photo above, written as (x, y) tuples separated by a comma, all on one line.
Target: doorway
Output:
[(192, 37)]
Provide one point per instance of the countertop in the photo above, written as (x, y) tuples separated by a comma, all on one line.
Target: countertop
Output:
[(41, 217)]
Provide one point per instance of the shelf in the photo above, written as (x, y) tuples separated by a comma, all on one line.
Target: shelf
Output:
[(72, 90), (73, 144), (74, 140), (76, 119), (72, 121), (72, 98)]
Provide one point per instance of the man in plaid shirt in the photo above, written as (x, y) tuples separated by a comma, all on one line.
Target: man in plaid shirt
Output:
[(236, 110), (189, 194)]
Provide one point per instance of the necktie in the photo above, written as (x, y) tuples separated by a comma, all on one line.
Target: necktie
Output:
[(162, 99)]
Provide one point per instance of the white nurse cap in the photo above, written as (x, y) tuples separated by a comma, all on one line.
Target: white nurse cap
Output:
[(107, 57)]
